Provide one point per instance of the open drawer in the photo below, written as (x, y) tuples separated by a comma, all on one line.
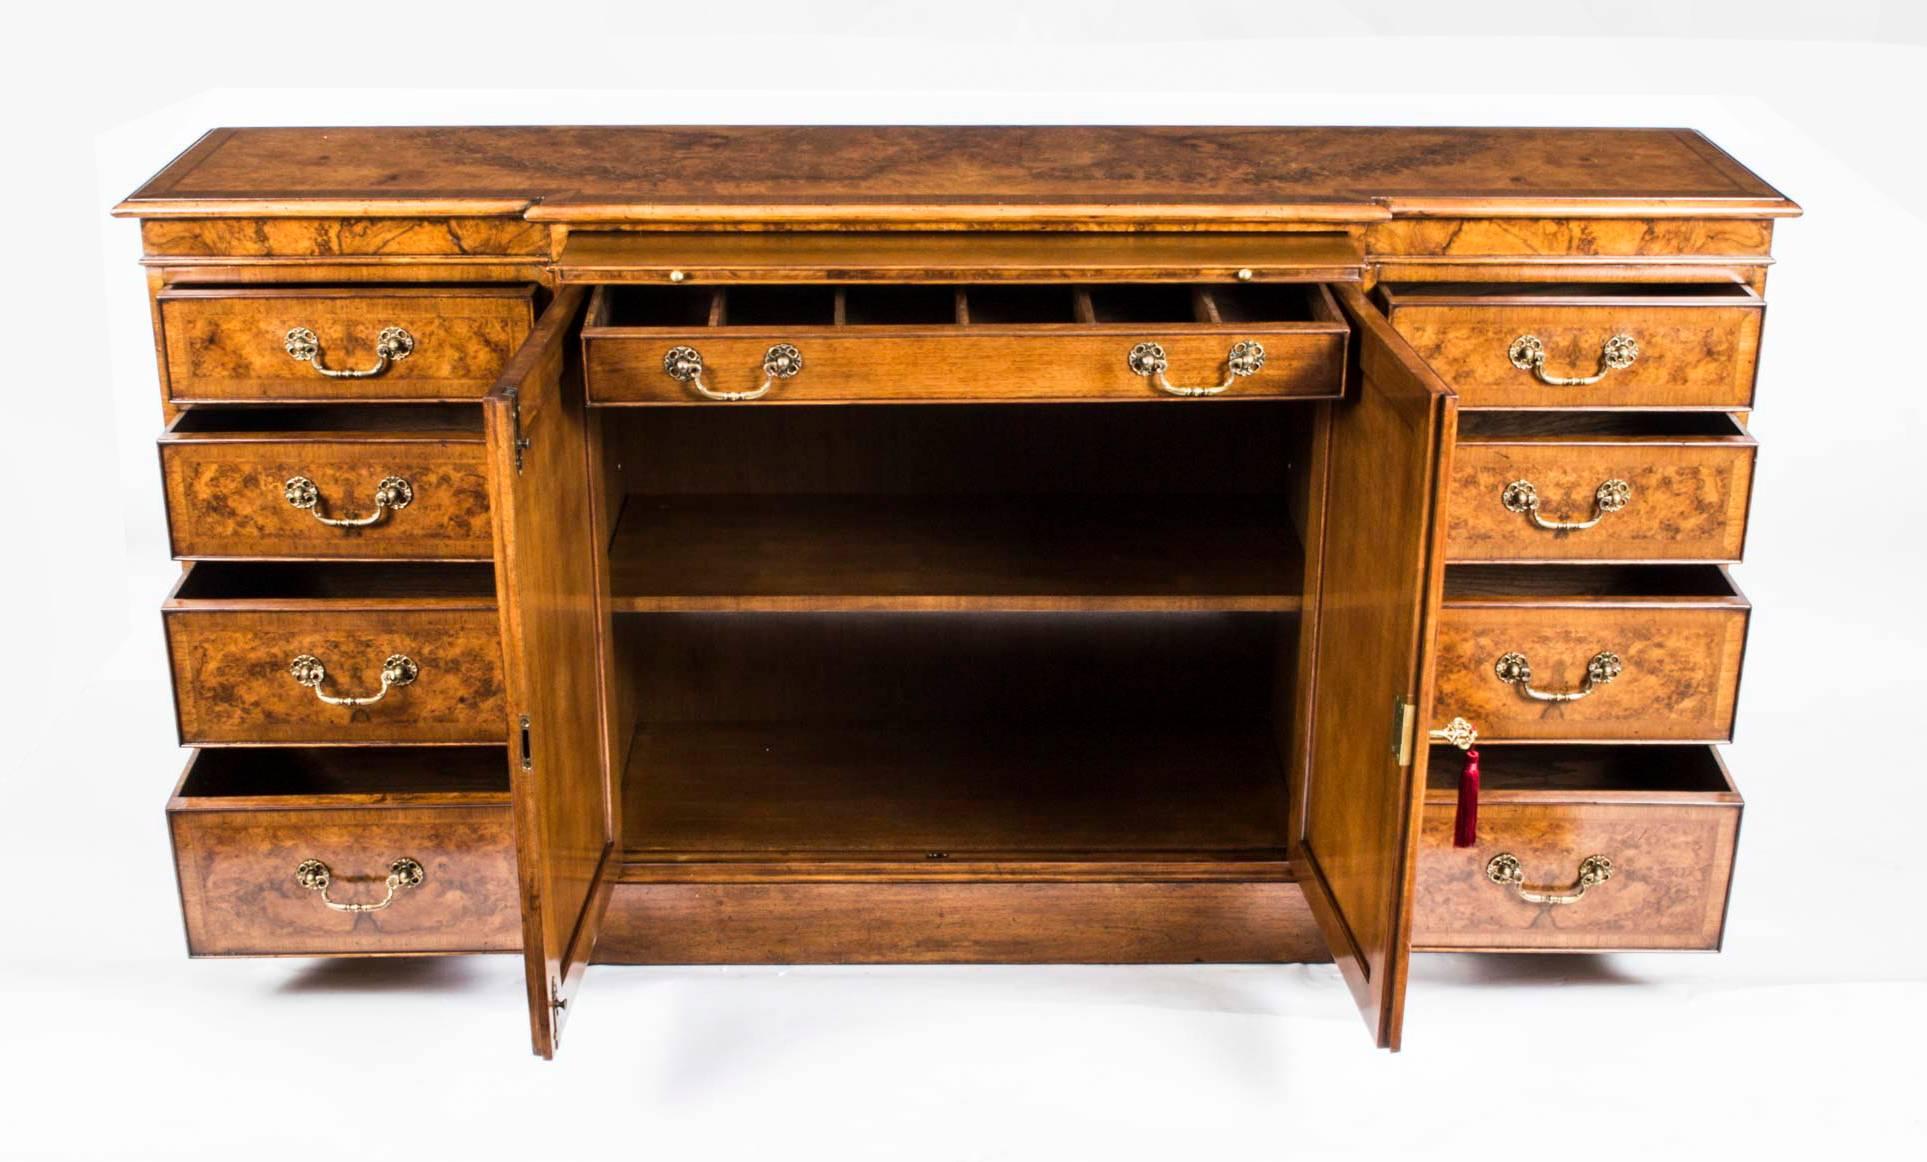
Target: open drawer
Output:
[(336, 654), (379, 850), (341, 482), (1591, 653), (955, 343), (1656, 487), (1585, 345), (1579, 849)]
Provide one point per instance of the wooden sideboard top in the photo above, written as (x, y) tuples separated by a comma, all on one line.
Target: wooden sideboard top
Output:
[(956, 174)]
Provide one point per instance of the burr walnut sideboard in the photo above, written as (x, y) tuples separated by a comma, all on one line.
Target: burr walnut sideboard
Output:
[(710, 545)]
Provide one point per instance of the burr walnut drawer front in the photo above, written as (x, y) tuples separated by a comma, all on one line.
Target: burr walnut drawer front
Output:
[(1691, 345), (1579, 849), (314, 483), (314, 344), (811, 343), (336, 653), (1594, 653), (373, 851), (1599, 486)]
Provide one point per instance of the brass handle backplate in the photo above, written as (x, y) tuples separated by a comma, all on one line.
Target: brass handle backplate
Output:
[(392, 495), (1514, 670), (1149, 360), (393, 345), (1611, 496), (1527, 353), (1505, 870), (685, 365), (315, 876), (397, 670)]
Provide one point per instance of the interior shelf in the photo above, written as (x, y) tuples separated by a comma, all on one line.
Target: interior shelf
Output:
[(950, 794), (821, 552)]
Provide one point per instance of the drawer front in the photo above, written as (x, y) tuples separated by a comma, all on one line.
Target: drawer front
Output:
[(277, 343), (995, 365), (1681, 502), (1677, 675), (240, 894), (234, 679), (387, 500), (1671, 864), (1688, 357)]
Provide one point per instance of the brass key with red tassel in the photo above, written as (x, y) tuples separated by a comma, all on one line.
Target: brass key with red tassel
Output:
[(1465, 824)]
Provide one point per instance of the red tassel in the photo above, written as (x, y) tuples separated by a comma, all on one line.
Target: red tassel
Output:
[(1465, 828)]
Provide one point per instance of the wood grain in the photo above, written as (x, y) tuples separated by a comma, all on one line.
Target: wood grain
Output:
[(232, 685), (1680, 682), (225, 493), (977, 174), (1698, 352), (972, 923), (552, 638), (230, 344), (1671, 843), (1461, 239), (355, 238), (1691, 478), (1377, 604)]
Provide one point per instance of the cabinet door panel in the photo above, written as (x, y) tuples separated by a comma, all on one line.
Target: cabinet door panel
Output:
[(552, 635), (1382, 572)]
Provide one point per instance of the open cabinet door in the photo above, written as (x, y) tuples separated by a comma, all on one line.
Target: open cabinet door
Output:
[(547, 586), (1383, 567)]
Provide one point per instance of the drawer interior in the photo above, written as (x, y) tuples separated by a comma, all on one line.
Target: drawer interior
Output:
[(454, 420), (228, 773), (1476, 582), (821, 305), (216, 581), (1543, 424), (1557, 769)]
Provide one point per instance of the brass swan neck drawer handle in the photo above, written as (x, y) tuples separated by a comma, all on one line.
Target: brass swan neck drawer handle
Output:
[(1611, 496), (397, 670), (393, 345), (316, 876), (392, 495), (1514, 670), (1505, 870), (1148, 360), (1527, 353), (685, 365)]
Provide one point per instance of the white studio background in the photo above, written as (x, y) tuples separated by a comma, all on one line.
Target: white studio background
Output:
[(1798, 1036)]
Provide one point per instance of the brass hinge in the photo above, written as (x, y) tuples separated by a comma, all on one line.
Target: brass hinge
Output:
[(517, 440), (1404, 729), (528, 745)]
